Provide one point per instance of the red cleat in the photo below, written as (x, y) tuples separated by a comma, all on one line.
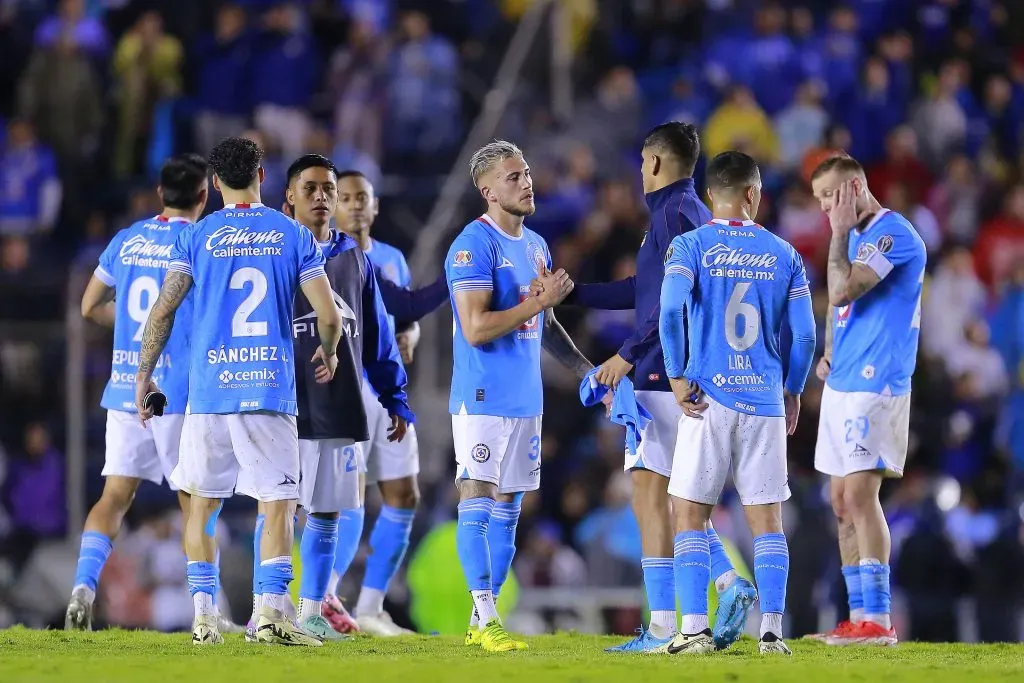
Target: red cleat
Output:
[(839, 631), (866, 633), (338, 617)]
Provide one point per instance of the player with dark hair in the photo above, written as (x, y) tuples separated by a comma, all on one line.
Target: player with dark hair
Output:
[(876, 264), (729, 285), (246, 263), (121, 293), (670, 153)]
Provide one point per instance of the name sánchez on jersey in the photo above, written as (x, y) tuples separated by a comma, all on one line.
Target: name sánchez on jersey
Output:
[(244, 354), (230, 241), (146, 253), (721, 260)]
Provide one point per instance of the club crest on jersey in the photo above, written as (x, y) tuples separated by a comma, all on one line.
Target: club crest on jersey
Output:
[(884, 244), (463, 258), (481, 453), (536, 256)]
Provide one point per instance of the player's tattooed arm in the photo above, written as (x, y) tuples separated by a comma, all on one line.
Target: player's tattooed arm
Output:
[(559, 344), (847, 281), (161, 319)]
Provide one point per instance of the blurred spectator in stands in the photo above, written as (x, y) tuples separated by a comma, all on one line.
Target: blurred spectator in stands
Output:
[(921, 217), (147, 65), (801, 126), (95, 240), (547, 561), (837, 140), (872, 111), (30, 190), (285, 73), (71, 23), (901, 164), (954, 297), (275, 166), (1004, 114), (610, 121), (355, 84), (220, 62), (740, 122), (974, 356), (15, 256), (955, 200), (939, 119), (840, 55), (686, 103), (802, 223), (1000, 245)]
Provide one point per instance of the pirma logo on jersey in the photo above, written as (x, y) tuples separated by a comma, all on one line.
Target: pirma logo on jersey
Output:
[(231, 241), (140, 251), (725, 261)]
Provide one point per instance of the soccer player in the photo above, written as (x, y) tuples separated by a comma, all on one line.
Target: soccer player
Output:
[(734, 283), (245, 262), (391, 464), (876, 263), (496, 395), (332, 417), (120, 294), (670, 152)]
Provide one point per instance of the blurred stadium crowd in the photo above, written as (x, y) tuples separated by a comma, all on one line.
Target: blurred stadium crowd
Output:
[(927, 94)]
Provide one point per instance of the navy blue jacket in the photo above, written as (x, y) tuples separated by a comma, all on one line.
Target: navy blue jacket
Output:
[(409, 305)]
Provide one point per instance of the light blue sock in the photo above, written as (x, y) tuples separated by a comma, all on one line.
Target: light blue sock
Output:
[(659, 582), (692, 564), (388, 542), (874, 581), (771, 572), (92, 556), (854, 592), (720, 562), (350, 533), (202, 586), (501, 540), (471, 542), (274, 575), (317, 550)]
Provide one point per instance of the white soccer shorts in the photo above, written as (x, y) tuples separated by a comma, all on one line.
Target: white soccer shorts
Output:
[(384, 460), (500, 450), (658, 438), (860, 431), (149, 452), (258, 452), (753, 447), (329, 475)]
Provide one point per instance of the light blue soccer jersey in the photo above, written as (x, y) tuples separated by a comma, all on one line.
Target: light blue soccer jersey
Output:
[(134, 264), (874, 339), (500, 378), (246, 262), (738, 283)]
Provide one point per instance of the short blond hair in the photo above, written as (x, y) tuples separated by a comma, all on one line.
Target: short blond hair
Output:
[(484, 159)]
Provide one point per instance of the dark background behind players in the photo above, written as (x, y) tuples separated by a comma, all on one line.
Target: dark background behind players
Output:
[(929, 95)]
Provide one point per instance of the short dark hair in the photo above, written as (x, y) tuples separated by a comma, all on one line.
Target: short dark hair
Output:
[(352, 173), (678, 139), (236, 161), (732, 171), (841, 162), (181, 180), (310, 161)]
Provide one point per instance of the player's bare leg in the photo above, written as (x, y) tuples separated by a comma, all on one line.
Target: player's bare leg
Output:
[(692, 564), (201, 551), (849, 555), (771, 572), (476, 503), (101, 528)]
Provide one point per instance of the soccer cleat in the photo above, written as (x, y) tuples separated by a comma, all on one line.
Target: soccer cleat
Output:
[(204, 631), (78, 616), (473, 636), (274, 626), (733, 606), (692, 643), (494, 638), (317, 626), (771, 644), (866, 633), (250, 631), (643, 642), (381, 625), (839, 632), (335, 613)]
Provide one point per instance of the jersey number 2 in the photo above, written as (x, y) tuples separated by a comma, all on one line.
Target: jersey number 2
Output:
[(241, 326), (741, 341)]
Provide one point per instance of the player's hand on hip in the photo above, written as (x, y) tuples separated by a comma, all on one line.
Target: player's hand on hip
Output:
[(398, 429), (689, 396), (143, 389), (557, 286), (792, 403), (326, 365), (824, 368), (613, 370), (843, 216)]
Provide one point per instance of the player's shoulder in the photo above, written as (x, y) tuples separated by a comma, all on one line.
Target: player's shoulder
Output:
[(474, 234), (388, 252), (534, 236), (780, 244), (892, 225)]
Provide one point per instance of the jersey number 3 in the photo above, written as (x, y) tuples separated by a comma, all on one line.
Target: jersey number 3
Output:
[(736, 308)]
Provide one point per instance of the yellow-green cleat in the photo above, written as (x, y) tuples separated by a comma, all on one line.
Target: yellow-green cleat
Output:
[(474, 636), (494, 638)]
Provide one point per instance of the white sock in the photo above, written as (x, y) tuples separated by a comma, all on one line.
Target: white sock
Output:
[(771, 622), (335, 581), (257, 605), (84, 592), (309, 608), (663, 623), (275, 601), (694, 623), (857, 615), (485, 608), (474, 618), (725, 580), (203, 604), (370, 603), (883, 620)]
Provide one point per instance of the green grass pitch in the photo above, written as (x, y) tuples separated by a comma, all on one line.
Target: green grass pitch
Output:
[(116, 656)]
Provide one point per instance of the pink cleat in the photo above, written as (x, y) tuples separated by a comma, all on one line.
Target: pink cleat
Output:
[(336, 614)]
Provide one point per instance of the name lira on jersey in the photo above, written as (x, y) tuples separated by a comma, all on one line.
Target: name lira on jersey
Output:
[(134, 264), (246, 262), (874, 343), (502, 377), (743, 278)]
